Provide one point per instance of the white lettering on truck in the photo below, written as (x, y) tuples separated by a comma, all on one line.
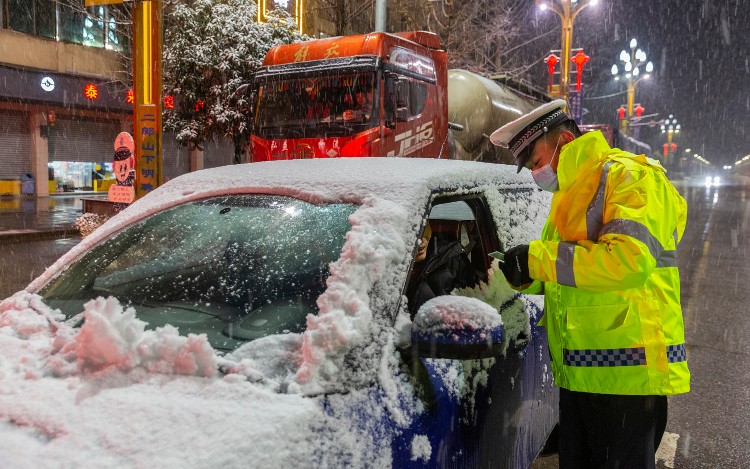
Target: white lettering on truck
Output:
[(412, 142)]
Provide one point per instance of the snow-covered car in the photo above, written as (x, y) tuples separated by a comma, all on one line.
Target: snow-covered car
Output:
[(259, 316)]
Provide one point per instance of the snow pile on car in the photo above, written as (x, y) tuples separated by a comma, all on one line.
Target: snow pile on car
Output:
[(457, 313), (111, 337), (114, 394), (344, 308)]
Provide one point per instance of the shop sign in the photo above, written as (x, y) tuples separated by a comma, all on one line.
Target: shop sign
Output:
[(69, 91), (91, 91), (48, 84)]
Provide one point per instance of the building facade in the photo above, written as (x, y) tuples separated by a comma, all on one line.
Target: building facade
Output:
[(65, 95)]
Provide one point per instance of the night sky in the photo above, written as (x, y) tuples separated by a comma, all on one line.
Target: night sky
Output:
[(701, 55)]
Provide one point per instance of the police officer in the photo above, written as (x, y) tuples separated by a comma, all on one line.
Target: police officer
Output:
[(606, 264)]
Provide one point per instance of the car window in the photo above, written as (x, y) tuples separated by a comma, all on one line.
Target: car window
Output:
[(236, 268), (455, 253), (417, 97)]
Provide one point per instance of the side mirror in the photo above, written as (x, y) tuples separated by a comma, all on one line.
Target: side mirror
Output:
[(457, 327), (396, 99)]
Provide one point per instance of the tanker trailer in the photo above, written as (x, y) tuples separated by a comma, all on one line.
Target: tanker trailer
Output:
[(480, 106)]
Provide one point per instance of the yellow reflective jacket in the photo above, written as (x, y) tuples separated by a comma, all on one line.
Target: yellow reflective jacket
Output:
[(608, 268)]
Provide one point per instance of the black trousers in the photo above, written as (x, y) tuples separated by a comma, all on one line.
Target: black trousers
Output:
[(606, 431)]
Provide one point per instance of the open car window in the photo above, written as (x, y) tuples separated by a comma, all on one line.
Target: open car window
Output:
[(236, 268), (454, 253)]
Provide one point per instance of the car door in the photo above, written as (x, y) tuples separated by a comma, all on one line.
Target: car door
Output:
[(491, 412)]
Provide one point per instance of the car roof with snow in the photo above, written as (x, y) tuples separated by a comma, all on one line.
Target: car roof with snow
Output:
[(336, 179), (406, 181)]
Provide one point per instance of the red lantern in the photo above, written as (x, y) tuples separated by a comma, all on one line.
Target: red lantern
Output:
[(579, 59), (674, 147), (551, 61), (666, 149), (621, 112), (639, 110)]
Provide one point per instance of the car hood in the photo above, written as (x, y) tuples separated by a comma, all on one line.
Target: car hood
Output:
[(111, 394)]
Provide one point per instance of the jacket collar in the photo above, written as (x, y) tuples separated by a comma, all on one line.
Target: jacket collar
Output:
[(592, 149), (580, 154)]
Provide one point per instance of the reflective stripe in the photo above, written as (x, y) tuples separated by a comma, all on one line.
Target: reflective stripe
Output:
[(595, 212), (619, 357), (605, 357), (564, 263), (635, 230), (667, 259), (676, 353)]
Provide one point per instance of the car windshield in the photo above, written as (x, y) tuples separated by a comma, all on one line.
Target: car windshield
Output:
[(316, 107), (236, 268)]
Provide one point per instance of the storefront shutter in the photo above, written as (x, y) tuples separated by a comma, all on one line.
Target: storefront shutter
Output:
[(219, 153), (15, 146), (83, 140), (176, 158)]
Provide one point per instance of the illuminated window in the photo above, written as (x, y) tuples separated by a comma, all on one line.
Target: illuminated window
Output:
[(92, 33), (98, 26), (293, 7)]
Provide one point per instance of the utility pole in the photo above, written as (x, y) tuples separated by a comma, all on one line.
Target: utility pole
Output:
[(380, 15), (148, 18)]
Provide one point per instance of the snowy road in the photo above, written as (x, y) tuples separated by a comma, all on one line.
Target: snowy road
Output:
[(712, 420), (709, 425), (22, 262)]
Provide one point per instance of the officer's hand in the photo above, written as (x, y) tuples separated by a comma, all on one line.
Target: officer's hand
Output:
[(516, 266)]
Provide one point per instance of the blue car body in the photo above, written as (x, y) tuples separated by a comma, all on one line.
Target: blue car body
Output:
[(406, 407)]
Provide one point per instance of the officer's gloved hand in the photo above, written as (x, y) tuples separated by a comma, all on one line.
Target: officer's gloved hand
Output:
[(516, 266)]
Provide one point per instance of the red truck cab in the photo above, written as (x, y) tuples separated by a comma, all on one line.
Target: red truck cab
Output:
[(376, 94)]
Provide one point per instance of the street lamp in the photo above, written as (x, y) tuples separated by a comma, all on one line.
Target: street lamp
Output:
[(670, 127), (631, 73), (567, 10)]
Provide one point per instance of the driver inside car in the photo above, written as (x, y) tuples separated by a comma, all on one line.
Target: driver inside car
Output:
[(437, 271)]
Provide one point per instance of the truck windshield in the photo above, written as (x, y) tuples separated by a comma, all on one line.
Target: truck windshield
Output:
[(316, 106)]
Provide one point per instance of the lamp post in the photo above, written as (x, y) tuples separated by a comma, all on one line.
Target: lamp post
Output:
[(567, 10), (631, 73), (670, 127)]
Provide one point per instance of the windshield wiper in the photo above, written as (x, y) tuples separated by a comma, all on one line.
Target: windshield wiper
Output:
[(218, 310)]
